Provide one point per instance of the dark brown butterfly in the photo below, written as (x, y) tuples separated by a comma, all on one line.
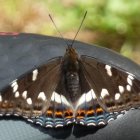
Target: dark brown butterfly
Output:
[(71, 89)]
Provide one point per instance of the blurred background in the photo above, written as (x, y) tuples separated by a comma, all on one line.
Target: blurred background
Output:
[(114, 24)]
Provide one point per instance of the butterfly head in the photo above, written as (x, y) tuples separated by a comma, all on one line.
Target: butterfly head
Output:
[(71, 54), (71, 61)]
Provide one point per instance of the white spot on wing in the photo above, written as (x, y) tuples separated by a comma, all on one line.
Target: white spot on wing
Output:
[(108, 69), (121, 89), (64, 100), (39, 123), (104, 93), (82, 123), (129, 80), (49, 126), (7, 114), (91, 124), (16, 94), (30, 120), (128, 87), (58, 125), (35, 73), (0, 98), (93, 94), (56, 97), (131, 77), (29, 101), (82, 99), (15, 88), (16, 114), (117, 96), (42, 96), (69, 122), (111, 119), (24, 94), (14, 85), (101, 123), (53, 96), (88, 96)]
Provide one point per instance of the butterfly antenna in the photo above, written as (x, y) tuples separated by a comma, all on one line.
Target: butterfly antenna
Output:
[(79, 28), (58, 30)]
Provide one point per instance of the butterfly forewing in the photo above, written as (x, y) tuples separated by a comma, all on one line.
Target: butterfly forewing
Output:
[(60, 110)]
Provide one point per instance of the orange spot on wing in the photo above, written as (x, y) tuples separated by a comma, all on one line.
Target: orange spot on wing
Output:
[(99, 110), (49, 112), (80, 114), (89, 112), (80, 117), (5, 104), (81, 111), (68, 114), (69, 117), (58, 113)]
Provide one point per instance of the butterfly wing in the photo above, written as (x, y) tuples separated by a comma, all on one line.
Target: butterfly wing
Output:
[(110, 90), (34, 96)]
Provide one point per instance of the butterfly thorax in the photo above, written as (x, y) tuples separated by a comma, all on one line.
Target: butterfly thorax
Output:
[(71, 73)]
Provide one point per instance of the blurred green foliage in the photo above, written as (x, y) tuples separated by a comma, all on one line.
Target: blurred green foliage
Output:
[(110, 23)]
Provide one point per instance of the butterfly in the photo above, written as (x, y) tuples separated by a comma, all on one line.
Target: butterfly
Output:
[(71, 89)]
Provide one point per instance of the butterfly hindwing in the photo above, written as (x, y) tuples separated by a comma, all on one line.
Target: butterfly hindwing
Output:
[(60, 111)]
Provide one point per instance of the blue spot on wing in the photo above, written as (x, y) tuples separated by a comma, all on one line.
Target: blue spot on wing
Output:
[(51, 122), (97, 120)]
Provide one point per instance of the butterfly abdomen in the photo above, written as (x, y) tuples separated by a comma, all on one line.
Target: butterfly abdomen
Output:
[(72, 84)]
